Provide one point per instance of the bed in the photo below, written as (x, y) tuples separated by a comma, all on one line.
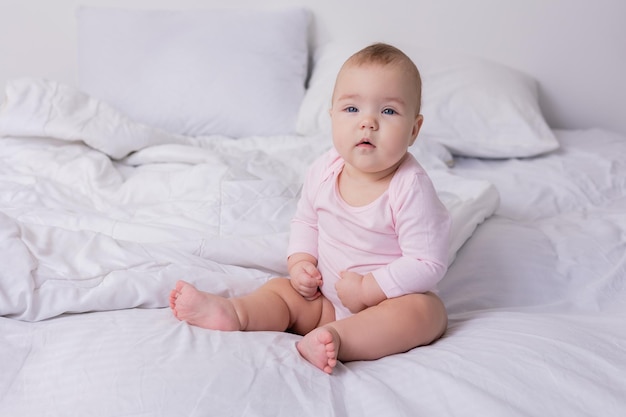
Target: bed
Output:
[(179, 152)]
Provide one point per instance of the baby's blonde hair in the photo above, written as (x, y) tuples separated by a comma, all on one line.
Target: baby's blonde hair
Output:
[(385, 54)]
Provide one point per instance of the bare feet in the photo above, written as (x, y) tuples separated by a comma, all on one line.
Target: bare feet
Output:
[(320, 347), (203, 309)]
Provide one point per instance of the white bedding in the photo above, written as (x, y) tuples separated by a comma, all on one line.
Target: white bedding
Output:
[(86, 233), (535, 296)]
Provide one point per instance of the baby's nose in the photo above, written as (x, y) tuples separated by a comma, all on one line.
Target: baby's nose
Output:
[(369, 122)]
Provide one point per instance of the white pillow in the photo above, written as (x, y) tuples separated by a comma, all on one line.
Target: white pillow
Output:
[(472, 106), (197, 72)]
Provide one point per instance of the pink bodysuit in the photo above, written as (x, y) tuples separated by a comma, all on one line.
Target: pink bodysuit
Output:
[(402, 237)]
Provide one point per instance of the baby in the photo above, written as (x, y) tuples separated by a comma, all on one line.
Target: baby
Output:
[(369, 240)]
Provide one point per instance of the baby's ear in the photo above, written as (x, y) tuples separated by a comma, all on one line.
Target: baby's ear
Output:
[(419, 119), (330, 113)]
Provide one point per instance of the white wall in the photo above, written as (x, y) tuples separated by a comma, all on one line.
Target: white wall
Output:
[(575, 48)]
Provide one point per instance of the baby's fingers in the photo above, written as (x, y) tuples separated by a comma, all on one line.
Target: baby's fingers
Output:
[(312, 271), (307, 288)]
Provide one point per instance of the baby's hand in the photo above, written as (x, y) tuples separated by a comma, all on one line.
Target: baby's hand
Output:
[(306, 279), (350, 291)]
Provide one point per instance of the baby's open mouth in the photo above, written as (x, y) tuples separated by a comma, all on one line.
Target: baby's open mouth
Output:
[(365, 142)]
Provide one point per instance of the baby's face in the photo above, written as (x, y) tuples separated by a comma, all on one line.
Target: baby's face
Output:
[(374, 116)]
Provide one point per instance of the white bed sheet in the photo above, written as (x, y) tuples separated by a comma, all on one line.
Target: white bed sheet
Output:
[(535, 296)]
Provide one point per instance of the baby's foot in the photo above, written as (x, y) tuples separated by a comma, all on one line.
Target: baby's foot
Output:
[(320, 347), (203, 309)]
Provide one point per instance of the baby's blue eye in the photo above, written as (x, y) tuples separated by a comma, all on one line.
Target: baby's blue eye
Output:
[(389, 111), (352, 109)]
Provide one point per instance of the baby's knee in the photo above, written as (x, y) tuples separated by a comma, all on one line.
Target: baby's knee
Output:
[(429, 312), (432, 308)]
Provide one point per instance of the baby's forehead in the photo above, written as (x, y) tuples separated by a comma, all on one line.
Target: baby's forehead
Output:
[(400, 67), (402, 73)]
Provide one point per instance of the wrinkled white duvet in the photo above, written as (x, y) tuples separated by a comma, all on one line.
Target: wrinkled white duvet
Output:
[(82, 231)]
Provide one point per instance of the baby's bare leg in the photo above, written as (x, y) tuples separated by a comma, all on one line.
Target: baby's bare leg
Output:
[(203, 309), (274, 306), (396, 325)]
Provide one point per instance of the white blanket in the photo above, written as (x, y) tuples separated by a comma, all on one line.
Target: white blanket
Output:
[(100, 213)]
